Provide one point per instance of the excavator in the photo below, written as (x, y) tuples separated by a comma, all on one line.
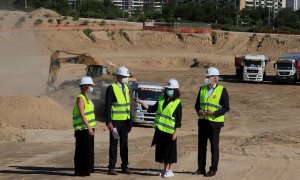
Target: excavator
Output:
[(102, 74), (94, 69)]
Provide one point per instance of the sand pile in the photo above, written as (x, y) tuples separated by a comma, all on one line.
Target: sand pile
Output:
[(34, 112), (9, 133), (42, 12), (224, 43), (131, 40), (67, 92), (75, 41)]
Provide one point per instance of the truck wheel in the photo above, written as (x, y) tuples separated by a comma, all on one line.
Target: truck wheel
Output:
[(295, 79), (264, 76)]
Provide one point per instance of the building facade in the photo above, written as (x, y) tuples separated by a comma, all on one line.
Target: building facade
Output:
[(294, 4), (131, 6), (274, 5)]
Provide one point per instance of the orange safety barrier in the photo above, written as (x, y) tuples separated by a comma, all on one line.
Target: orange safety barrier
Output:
[(182, 30)]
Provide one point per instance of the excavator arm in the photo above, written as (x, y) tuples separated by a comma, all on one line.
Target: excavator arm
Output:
[(56, 61), (94, 69)]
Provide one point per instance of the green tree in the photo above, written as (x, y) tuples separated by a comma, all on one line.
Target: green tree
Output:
[(186, 11), (61, 6), (227, 15), (111, 11), (168, 10), (288, 18), (91, 8)]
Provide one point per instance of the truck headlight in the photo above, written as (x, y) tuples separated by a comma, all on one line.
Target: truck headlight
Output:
[(139, 114)]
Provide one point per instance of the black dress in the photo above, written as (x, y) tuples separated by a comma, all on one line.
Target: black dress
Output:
[(166, 148)]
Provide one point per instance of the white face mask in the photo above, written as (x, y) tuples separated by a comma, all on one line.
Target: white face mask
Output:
[(206, 81), (125, 80), (90, 90)]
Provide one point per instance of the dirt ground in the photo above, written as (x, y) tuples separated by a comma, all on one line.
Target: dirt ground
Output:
[(260, 140)]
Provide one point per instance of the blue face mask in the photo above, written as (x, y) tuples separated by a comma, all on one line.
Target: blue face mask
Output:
[(170, 92), (90, 90)]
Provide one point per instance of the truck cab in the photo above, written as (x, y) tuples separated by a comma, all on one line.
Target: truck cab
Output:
[(149, 93), (251, 67), (288, 68), (96, 70)]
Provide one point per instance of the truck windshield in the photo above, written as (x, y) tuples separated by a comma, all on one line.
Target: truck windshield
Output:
[(284, 66), (149, 95), (249, 63)]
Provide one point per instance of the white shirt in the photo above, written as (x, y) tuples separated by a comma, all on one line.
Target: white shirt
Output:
[(210, 90), (119, 84), (121, 87)]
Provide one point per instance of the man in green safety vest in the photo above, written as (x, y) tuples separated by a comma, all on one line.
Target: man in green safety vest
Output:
[(118, 120), (211, 105)]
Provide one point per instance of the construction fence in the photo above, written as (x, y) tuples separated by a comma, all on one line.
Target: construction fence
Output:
[(178, 27)]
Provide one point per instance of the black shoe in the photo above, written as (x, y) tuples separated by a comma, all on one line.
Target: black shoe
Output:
[(211, 173), (112, 171), (200, 172), (81, 174), (126, 171)]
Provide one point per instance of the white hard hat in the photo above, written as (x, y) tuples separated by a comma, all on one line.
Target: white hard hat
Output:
[(212, 71), (86, 80), (172, 84), (122, 71)]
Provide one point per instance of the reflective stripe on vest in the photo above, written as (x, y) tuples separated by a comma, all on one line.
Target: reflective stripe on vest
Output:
[(211, 103), (78, 123), (120, 110), (164, 119)]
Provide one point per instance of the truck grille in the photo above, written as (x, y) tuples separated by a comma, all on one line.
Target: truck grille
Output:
[(252, 71), (149, 117), (284, 73)]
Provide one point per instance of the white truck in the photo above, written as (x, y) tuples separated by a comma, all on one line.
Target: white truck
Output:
[(149, 93), (288, 68), (251, 67)]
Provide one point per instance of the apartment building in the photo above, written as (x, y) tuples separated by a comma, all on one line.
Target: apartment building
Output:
[(132, 5), (274, 5), (294, 4)]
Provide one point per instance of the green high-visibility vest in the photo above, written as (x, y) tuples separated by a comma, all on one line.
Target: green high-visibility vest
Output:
[(88, 113), (120, 110), (164, 119), (211, 103)]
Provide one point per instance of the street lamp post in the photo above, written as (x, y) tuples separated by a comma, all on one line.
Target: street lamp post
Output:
[(216, 11), (123, 8), (25, 1), (269, 21)]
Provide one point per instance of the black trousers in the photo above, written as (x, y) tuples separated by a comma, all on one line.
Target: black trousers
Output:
[(205, 132), (122, 128), (166, 148), (84, 152)]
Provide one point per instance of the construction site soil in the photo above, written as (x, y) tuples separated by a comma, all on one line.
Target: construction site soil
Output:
[(260, 140)]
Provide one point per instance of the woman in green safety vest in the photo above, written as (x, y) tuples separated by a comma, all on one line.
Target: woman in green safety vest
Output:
[(84, 125), (167, 122)]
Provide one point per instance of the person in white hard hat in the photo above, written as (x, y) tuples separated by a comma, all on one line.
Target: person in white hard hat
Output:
[(211, 105), (118, 119), (84, 125), (167, 122)]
